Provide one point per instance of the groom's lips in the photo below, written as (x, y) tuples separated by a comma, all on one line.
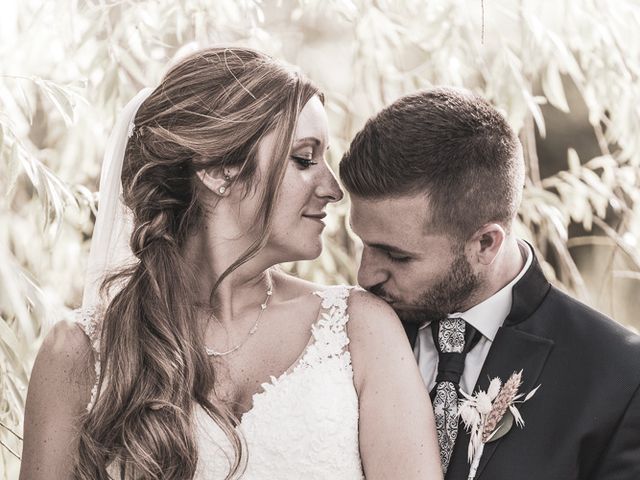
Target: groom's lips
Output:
[(395, 303), (379, 292), (389, 301)]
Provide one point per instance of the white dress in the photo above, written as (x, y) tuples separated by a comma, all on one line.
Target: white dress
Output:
[(303, 424)]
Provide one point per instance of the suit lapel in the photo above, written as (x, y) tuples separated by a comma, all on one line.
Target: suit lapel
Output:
[(513, 349)]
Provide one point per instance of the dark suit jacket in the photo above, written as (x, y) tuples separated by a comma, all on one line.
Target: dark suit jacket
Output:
[(584, 421)]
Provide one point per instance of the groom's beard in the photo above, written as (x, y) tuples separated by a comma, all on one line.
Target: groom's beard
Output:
[(448, 295)]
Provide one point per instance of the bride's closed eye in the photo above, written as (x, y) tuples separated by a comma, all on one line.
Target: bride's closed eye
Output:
[(304, 161)]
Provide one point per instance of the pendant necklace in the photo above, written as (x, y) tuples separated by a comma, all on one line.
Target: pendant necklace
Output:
[(263, 306)]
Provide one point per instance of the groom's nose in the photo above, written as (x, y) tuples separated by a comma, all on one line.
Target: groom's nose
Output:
[(369, 273)]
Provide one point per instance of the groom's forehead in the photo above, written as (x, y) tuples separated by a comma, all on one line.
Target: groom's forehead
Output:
[(405, 215)]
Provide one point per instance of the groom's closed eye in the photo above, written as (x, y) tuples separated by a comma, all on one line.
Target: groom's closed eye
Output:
[(392, 253), (396, 257)]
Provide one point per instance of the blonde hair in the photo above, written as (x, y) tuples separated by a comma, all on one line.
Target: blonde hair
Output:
[(211, 110)]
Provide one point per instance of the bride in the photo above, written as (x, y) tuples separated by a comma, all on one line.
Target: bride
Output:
[(199, 358)]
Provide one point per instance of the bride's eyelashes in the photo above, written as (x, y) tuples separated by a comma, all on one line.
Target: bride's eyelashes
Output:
[(303, 162)]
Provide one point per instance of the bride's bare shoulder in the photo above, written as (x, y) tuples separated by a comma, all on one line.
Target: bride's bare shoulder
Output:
[(63, 366), (66, 341), (367, 311), (375, 332), (59, 390)]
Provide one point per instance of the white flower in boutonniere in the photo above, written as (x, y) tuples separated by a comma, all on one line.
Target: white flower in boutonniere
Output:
[(483, 414)]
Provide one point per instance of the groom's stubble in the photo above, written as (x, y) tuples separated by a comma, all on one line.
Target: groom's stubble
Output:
[(452, 292)]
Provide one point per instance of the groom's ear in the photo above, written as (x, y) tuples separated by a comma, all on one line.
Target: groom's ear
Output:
[(487, 242)]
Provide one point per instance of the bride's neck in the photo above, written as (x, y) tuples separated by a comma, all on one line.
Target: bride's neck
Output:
[(210, 256)]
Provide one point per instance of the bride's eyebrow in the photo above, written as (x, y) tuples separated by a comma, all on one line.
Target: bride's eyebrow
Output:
[(311, 140)]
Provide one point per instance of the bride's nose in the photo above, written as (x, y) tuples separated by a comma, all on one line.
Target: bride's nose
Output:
[(328, 187)]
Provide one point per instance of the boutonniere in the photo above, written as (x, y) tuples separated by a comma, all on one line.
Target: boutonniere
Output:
[(488, 415)]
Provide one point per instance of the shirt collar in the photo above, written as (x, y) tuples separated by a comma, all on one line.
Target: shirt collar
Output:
[(488, 316)]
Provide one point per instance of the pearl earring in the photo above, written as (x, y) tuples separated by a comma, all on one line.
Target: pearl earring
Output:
[(222, 190)]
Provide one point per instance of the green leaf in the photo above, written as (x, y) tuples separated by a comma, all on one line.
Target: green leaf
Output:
[(553, 89), (19, 159), (61, 99), (534, 108), (565, 58), (574, 162), (84, 196), (109, 85), (131, 66), (8, 336), (27, 107), (11, 281), (13, 172)]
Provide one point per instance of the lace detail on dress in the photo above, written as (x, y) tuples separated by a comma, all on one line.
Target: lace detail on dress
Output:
[(328, 336), (304, 423), (89, 319), (329, 332)]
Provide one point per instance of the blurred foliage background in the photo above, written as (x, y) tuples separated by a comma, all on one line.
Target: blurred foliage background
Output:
[(565, 73)]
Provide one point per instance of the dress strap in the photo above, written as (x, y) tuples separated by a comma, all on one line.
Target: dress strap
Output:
[(89, 320), (329, 332)]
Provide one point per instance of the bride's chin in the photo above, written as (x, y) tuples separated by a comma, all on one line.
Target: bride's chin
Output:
[(308, 250), (315, 249)]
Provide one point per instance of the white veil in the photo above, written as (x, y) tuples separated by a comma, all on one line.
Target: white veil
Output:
[(112, 231)]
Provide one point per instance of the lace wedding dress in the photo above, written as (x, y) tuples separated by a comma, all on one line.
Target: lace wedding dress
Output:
[(303, 424)]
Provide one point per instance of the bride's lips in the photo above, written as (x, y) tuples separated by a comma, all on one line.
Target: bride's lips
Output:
[(318, 217)]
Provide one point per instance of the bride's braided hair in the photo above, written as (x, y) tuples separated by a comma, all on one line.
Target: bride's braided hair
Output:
[(211, 110)]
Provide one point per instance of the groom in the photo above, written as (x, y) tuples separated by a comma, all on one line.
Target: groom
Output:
[(436, 181)]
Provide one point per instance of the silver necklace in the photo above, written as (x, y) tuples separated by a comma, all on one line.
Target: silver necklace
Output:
[(263, 306)]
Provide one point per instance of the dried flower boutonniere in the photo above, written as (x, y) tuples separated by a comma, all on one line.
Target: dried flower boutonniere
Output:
[(489, 415)]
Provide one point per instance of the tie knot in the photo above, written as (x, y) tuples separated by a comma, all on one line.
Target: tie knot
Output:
[(451, 335), (453, 338)]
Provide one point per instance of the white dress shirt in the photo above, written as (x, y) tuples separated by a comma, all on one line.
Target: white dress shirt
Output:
[(486, 317)]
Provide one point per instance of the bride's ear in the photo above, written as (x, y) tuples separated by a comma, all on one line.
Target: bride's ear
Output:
[(218, 180)]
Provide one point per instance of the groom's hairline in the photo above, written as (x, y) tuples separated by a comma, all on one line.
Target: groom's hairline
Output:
[(390, 195)]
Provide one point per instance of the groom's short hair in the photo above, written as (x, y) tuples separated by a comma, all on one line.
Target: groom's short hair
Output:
[(446, 143)]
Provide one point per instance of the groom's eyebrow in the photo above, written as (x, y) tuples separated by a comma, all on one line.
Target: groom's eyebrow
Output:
[(383, 246), (391, 248)]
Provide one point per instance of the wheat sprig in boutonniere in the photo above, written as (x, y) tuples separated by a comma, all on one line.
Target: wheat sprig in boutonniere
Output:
[(484, 414)]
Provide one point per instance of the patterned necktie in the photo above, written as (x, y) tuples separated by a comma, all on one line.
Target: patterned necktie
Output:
[(453, 338)]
